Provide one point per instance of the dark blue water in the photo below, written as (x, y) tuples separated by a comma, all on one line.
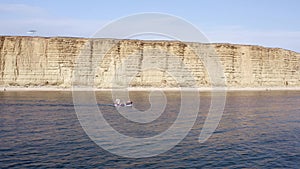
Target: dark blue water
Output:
[(258, 130)]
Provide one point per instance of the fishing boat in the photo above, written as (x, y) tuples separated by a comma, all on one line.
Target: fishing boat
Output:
[(119, 104)]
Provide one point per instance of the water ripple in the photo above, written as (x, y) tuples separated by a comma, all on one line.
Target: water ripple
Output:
[(258, 130)]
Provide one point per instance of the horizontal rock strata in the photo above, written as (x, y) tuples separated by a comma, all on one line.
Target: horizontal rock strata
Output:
[(110, 63)]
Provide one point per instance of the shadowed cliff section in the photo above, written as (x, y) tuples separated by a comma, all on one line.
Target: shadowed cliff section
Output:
[(109, 63)]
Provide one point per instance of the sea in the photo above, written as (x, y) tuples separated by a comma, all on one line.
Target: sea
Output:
[(257, 129)]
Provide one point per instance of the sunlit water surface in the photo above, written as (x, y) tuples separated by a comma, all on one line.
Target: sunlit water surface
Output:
[(257, 130)]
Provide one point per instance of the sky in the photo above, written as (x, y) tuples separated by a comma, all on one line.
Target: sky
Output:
[(269, 23)]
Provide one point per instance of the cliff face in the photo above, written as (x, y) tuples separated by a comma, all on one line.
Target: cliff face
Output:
[(38, 61), (27, 61)]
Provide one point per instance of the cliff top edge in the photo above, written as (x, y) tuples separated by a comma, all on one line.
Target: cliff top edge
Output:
[(145, 41)]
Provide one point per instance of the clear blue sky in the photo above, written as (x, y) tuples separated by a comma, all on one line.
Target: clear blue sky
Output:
[(272, 23)]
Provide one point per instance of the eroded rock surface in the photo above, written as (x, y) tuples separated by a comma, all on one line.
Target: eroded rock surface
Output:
[(107, 63)]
